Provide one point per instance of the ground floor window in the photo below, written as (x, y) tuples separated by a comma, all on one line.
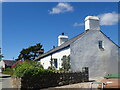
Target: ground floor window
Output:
[(55, 63)]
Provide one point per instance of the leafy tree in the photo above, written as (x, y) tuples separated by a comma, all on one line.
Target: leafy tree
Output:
[(31, 52), (66, 63)]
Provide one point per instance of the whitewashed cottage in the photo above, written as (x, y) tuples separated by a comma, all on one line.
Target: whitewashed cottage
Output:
[(92, 49), (2, 65)]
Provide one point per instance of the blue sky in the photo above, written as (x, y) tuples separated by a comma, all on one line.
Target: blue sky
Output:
[(25, 24), (0, 24)]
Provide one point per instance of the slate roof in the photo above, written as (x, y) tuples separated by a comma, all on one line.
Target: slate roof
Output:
[(67, 44), (9, 62), (110, 39), (64, 45)]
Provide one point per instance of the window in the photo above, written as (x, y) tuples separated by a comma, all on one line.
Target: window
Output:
[(55, 63), (100, 44)]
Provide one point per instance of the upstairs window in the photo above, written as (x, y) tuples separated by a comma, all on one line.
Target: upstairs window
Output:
[(100, 43)]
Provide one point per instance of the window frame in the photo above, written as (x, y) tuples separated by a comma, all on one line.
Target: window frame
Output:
[(101, 44)]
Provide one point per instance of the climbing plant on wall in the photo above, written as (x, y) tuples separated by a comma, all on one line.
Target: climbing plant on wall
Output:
[(66, 63)]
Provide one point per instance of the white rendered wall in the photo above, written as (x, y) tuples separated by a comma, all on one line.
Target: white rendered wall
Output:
[(58, 55), (45, 61), (92, 23), (62, 39), (85, 52)]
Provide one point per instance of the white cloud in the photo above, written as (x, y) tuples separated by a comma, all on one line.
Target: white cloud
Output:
[(108, 18), (61, 8), (105, 19), (78, 24)]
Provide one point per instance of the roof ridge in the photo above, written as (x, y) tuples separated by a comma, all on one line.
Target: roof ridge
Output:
[(65, 44), (109, 39)]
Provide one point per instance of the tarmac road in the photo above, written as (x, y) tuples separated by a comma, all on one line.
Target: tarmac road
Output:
[(5, 82)]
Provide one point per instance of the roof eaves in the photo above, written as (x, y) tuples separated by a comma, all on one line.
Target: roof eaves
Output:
[(64, 45), (110, 39), (42, 56)]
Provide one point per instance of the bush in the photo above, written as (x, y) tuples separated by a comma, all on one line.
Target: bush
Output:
[(30, 68), (51, 68), (17, 63), (66, 63), (8, 71)]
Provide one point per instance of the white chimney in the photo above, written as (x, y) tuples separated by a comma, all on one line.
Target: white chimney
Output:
[(92, 23), (61, 39)]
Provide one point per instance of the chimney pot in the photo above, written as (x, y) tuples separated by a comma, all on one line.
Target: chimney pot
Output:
[(92, 23), (61, 39), (62, 33)]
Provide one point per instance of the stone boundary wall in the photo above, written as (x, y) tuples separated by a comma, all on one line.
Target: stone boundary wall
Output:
[(51, 80), (16, 83)]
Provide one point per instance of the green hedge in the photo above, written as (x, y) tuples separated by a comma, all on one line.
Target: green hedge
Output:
[(8, 71), (30, 68)]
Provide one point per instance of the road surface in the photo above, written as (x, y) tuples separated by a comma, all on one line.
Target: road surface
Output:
[(5, 82)]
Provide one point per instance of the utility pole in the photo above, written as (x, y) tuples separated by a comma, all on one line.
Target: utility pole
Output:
[(0, 55)]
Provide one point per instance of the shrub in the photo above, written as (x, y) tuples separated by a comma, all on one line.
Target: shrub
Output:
[(8, 71), (30, 68), (35, 64), (15, 64), (66, 63), (51, 68)]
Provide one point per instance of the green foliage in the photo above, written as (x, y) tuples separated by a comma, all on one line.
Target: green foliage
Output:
[(30, 68), (61, 69), (35, 64), (65, 63), (8, 71), (51, 68), (31, 52)]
